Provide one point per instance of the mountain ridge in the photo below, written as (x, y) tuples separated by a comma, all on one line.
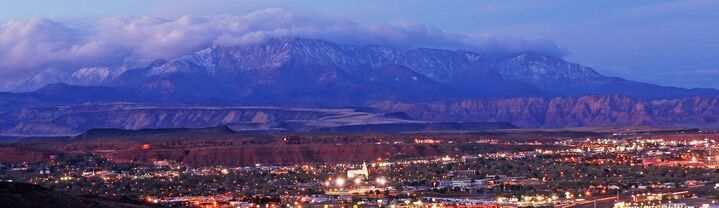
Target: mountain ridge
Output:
[(528, 90), (477, 114), (288, 63), (559, 112)]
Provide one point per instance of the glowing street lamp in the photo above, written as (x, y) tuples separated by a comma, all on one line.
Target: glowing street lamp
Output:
[(340, 182), (381, 181)]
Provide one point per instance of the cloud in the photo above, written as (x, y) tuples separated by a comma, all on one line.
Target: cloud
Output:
[(37, 43), (31, 47)]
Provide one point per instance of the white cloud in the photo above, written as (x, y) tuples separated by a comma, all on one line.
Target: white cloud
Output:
[(29, 47)]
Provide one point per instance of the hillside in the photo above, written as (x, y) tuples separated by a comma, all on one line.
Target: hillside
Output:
[(22, 195)]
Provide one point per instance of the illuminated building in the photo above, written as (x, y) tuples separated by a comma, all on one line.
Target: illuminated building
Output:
[(361, 172)]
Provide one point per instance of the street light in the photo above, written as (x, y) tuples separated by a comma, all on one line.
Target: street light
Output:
[(381, 181), (340, 182)]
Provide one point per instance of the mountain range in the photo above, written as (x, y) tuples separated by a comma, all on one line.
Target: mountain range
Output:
[(527, 89)]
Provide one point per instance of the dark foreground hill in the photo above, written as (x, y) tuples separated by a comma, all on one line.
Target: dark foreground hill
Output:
[(23, 195)]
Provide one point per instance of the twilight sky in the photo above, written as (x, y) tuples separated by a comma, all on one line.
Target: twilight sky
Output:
[(672, 43)]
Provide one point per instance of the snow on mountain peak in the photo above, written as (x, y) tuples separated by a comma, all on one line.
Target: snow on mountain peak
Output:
[(91, 76), (444, 66), (92, 72), (535, 67)]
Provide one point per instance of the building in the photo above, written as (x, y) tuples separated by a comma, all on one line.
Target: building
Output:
[(357, 173), (45, 171), (463, 183), (712, 162)]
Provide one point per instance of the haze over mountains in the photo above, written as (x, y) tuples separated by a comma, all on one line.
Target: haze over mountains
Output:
[(429, 85)]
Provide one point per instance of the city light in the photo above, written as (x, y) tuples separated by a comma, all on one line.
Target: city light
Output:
[(340, 182), (381, 181), (162, 181)]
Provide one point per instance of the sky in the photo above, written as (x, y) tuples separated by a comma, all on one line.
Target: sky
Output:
[(674, 43)]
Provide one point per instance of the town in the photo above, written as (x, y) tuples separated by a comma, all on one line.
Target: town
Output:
[(675, 170)]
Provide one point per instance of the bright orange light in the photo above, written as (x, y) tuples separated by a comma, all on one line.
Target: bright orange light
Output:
[(146, 146)]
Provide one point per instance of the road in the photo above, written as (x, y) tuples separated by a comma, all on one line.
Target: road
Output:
[(601, 202)]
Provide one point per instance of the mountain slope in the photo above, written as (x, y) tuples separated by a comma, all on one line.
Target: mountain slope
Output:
[(29, 196)]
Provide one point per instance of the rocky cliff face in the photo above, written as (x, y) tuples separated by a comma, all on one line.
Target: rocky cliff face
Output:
[(77, 119), (472, 114), (611, 110), (73, 120)]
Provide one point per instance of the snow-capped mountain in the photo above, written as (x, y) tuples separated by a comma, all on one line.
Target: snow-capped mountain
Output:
[(36, 81), (527, 89), (310, 71), (306, 67), (94, 76), (533, 67)]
